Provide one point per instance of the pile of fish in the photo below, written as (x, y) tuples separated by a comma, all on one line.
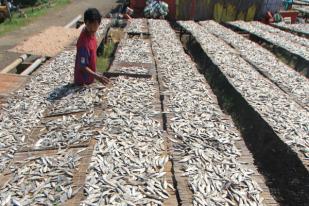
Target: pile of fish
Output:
[(44, 180), (134, 50), (133, 70), (6, 156), (78, 99), (25, 108), (204, 136), (288, 119), (69, 130), (282, 34), (285, 77), (137, 26), (299, 28), (127, 166), (283, 42)]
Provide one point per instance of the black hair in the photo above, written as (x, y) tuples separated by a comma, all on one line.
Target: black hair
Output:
[(92, 15)]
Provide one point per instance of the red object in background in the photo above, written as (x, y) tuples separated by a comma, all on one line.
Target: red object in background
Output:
[(192, 9), (290, 13), (139, 5)]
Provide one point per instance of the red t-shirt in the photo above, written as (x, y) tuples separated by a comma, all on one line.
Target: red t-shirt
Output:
[(86, 57)]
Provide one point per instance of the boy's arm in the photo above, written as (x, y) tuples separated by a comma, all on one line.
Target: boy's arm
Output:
[(101, 79)]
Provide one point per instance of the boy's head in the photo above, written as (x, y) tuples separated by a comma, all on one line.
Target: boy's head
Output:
[(92, 19)]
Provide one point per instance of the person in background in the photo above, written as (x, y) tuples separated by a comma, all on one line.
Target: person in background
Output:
[(10, 4), (85, 63)]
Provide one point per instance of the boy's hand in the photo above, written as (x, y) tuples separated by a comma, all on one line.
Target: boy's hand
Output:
[(104, 80)]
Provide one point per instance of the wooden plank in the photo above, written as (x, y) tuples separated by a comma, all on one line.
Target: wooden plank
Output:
[(118, 74), (10, 83), (80, 179)]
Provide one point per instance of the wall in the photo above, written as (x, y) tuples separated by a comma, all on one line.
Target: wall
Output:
[(220, 10)]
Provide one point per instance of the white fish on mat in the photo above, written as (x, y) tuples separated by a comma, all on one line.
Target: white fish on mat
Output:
[(127, 164), (205, 135), (41, 180)]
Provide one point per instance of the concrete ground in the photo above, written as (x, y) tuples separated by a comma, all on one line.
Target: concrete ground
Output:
[(53, 18)]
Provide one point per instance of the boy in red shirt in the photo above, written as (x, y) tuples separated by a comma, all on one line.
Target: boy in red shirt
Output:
[(85, 63)]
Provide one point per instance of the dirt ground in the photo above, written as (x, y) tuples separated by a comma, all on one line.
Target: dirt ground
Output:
[(49, 43), (53, 18)]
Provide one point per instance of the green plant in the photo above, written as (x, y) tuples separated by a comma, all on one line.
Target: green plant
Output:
[(103, 61)]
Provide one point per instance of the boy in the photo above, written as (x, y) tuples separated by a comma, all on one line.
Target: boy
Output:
[(85, 63)]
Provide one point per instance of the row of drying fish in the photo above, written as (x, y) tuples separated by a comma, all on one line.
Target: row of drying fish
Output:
[(204, 136), (127, 166), (25, 108), (137, 26), (292, 47), (41, 180), (287, 36), (299, 28), (285, 77), (289, 120), (134, 50)]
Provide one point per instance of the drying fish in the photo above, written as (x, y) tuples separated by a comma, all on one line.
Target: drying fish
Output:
[(78, 99), (289, 120), (286, 36), (299, 28), (6, 156), (294, 48), (41, 180), (137, 26), (69, 130), (26, 107), (205, 136), (127, 164), (134, 50), (285, 77)]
